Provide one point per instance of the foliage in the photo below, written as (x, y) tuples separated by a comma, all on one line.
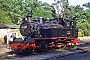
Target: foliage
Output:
[(80, 34), (4, 18), (1, 40), (87, 5), (17, 9), (40, 12)]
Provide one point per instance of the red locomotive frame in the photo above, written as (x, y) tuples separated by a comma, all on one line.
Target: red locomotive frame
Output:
[(54, 43)]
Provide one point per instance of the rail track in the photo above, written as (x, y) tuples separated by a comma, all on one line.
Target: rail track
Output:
[(82, 50), (49, 55)]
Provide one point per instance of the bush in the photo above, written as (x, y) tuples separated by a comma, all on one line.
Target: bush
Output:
[(80, 34), (1, 40)]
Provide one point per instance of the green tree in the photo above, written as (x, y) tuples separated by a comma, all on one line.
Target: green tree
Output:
[(12, 8), (4, 18), (87, 5), (17, 9), (40, 12)]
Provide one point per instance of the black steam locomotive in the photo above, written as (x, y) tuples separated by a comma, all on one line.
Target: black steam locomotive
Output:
[(44, 33), (47, 28)]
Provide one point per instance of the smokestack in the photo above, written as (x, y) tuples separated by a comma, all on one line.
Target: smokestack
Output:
[(29, 17)]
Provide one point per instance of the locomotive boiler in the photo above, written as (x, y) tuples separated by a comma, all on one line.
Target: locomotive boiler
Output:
[(45, 33)]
